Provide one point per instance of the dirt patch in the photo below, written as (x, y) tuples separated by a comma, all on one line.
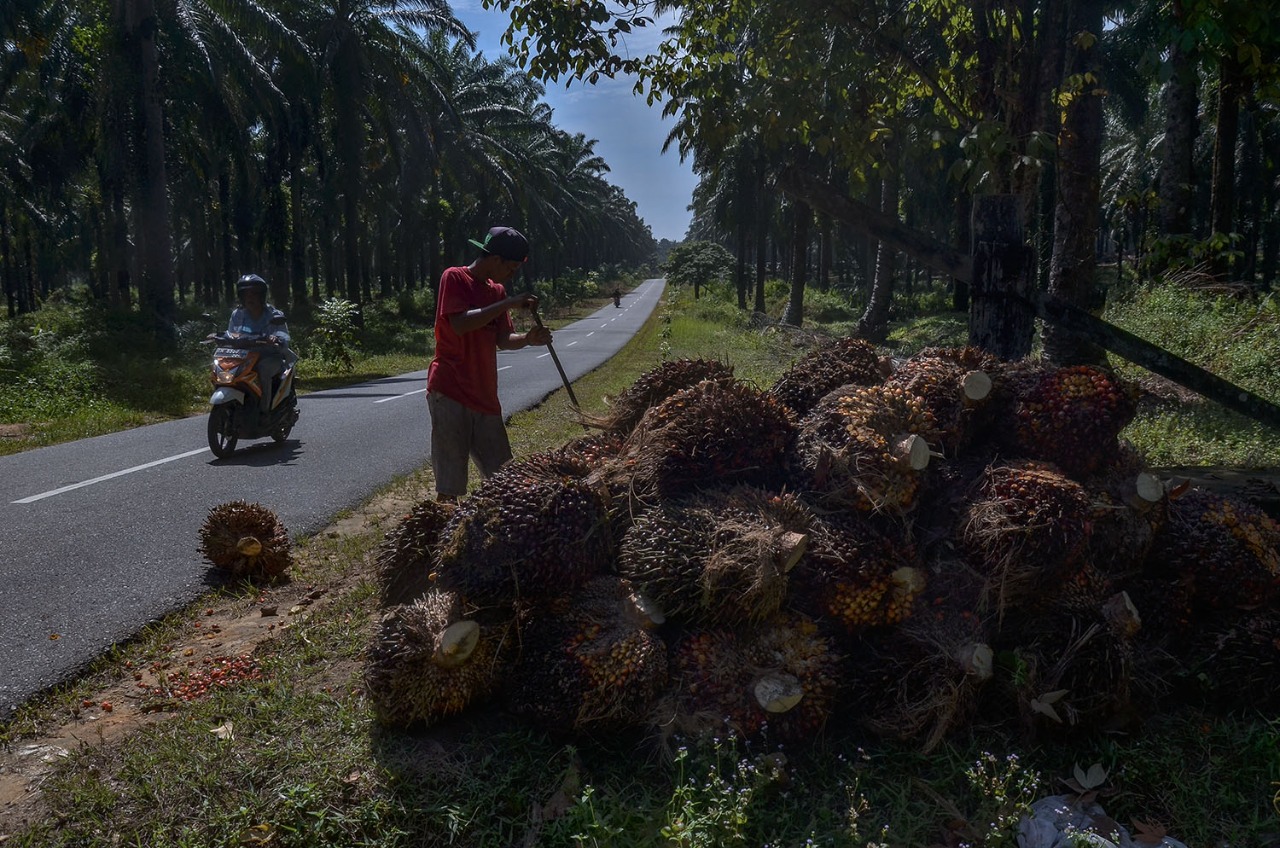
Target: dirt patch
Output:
[(220, 644), (15, 431)]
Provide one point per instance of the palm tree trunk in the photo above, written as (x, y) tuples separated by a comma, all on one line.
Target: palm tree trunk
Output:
[(1181, 103), (874, 323), (762, 247), (801, 219), (152, 226), (1075, 221), (297, 234), (1231, 83)]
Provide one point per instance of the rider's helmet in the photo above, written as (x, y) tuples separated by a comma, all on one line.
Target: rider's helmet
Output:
[(252, 281)]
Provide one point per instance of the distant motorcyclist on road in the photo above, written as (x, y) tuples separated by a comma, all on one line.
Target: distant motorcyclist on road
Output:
[(256, 317)]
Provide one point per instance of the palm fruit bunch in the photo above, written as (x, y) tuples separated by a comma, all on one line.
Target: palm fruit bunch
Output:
[(405, 558), (714, 557), (1130, 505), (1072, 417), (792, 646), (592, 451), (924, 678), (591, 661), (1083, 671), (653, 387), (781, 678), (1236, 665), (719, 432), (854, 577), (427, 662), (1225, 548), (534, 530), (954, 384), (1025, 528), (847, 361), (246, 539), (865, 448)]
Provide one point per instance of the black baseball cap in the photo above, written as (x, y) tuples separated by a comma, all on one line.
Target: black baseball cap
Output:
[(504, 242)]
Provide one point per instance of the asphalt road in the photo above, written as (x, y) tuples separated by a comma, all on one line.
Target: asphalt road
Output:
[(100, 537)]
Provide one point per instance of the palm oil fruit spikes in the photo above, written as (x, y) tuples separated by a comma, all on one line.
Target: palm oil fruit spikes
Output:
[(1223, 546), (1072, 417), (656, 385), (595, 664), (711, 559), (427, 662), (406, 556), (1026, 525), (854, 577), (246, 539), (865, 447), (780, 678), (529, 532), (718, 432), (847, 361), (955, 386)]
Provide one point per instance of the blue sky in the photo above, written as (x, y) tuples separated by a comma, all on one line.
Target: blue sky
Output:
[(628, 133)]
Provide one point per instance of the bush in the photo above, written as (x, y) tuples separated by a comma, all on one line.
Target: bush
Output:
[(334, 336)]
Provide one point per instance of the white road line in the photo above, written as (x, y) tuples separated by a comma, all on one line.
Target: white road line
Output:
[(407, 394), (543, 355), (505, 367), (74, 486), (571, 344), (590, 334)]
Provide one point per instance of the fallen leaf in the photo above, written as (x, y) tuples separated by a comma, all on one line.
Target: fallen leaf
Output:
[(259, 834), (225, 731), (1095, 777), (1148, 833)]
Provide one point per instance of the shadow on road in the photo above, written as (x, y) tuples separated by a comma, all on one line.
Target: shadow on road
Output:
[(263, 454)]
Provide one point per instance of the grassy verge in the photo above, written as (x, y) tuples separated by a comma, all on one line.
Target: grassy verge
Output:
[(290, 756), (71, 371)]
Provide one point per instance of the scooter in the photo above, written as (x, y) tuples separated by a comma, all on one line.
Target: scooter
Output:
[(237, 392)]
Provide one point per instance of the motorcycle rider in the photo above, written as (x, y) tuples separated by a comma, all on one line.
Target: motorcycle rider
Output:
[(256, 317)]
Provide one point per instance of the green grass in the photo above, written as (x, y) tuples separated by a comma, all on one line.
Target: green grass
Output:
[(298, 760), (1235, 338)]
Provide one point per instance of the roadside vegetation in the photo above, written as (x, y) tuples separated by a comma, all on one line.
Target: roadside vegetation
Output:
[(273, 743), (75, 368)]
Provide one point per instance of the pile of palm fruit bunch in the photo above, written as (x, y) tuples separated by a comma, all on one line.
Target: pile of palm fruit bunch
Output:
[(247, 540), (890, 548)]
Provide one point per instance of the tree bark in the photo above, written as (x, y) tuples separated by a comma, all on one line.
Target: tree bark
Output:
[(1000, 320), (874, 323), (802, 216), (152, 231), (1181, 104), (1222, 203), (1075, 217)]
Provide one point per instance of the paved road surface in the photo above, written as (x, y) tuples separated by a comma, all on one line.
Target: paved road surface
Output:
[(101, 536)]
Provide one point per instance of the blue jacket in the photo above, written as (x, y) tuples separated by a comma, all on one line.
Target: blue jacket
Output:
[(242, 322)]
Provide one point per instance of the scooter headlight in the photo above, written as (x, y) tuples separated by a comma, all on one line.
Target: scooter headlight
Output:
[(224, 378)]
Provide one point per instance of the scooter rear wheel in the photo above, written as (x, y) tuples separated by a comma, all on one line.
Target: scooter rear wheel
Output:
[(222, 432)]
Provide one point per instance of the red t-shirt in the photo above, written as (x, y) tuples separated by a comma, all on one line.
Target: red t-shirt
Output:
[(465, 366)]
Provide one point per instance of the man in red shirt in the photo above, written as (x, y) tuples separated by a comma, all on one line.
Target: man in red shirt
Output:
[(472, 325)]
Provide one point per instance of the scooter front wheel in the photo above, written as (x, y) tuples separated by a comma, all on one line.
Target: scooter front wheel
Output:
[(222, 431)]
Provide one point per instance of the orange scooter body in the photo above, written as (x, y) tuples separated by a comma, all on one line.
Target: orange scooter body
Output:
[(237, 389)]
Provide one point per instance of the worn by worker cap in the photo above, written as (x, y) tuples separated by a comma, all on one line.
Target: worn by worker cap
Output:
[(504, 242)]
